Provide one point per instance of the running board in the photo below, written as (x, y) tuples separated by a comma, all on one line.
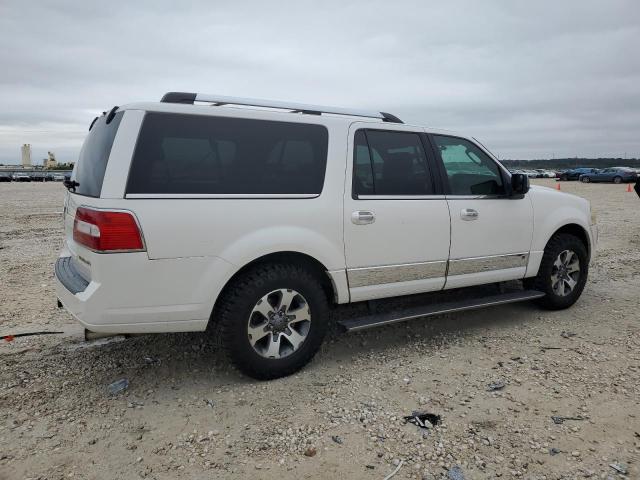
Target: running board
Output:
[(386, 318)]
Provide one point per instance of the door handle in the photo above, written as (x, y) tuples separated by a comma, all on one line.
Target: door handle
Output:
[(362, 217), (469, 214)]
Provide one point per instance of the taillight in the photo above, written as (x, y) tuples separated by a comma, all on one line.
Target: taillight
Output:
[(107, 231)]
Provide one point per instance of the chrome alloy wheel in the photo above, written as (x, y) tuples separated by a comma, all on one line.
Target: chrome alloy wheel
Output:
[(565, 273), (279, 323)]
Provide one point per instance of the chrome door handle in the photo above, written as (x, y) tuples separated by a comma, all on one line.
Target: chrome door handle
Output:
[(362, 217), (469, 214)]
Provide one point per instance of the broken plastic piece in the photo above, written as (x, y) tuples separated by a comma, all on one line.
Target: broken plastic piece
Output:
[(423, 419)]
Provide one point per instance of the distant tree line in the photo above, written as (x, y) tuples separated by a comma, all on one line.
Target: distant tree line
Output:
[(566, 163)]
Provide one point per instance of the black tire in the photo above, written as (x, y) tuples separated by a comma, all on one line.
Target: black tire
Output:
[(234, 310), (564, 178), (543, 281), (585, 179), (617, 179)]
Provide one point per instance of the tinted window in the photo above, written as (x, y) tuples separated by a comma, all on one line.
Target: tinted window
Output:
[(194, 154), (94, 155), (393, 164), (362, 169), (469, 169)]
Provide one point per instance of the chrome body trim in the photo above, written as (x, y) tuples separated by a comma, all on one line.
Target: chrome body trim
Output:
[(361, 277), (462, 266)]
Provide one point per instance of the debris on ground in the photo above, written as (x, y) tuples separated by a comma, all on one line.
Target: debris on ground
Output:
[(619, 467), (423, 419), (310, 452), (497, 385), (565, 334), (554, 451), (12, 337), (559, 419), (337, 439), (455, 473), (118, 386), (395, 471), (209, 402)]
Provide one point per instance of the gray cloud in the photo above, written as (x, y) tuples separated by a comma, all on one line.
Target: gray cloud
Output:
[(530, 79)]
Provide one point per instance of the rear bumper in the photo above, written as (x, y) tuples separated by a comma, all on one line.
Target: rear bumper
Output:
[(138, 295)]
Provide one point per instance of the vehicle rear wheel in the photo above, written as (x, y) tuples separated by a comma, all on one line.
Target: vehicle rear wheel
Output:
[(563, 272), (564, 177), (272, 320), (617, 179), (585, 179)]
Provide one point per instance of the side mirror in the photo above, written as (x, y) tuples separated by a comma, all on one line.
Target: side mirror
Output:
[(519, 184)]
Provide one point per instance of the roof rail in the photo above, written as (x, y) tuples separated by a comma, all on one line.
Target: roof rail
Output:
[(191, 98)]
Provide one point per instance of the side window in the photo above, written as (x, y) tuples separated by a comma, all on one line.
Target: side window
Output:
[(390, 163), (470, 171), (362, 169), (198, 154)]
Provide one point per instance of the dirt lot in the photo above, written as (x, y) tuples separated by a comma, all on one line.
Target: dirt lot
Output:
[(188, 414)]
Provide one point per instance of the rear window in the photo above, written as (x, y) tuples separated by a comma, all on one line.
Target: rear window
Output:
[(94, 155), (194, 154)]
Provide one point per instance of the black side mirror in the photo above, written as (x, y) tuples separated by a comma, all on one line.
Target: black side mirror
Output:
[(519, 184)]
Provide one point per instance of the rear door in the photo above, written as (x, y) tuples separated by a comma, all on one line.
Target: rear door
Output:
[(490, 232), (396, 221)]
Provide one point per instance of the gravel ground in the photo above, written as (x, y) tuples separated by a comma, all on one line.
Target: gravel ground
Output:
[(188, 414)]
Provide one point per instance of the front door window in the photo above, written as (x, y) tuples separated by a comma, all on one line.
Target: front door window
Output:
[(470, 171)]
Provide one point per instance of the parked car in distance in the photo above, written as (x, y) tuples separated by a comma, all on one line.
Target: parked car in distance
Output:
[(38, 177), (189, 215), (58, 177), (21, 177), (529, 173), (5, 177), (612, 174), (542, 173), (574, 173)]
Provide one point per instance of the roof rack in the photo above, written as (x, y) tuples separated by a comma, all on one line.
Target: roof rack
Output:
[(191, 98)]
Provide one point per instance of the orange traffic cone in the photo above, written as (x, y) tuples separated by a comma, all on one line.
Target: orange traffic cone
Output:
[(558, 186), (629, 187)]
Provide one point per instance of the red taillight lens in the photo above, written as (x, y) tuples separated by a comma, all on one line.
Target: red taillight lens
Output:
[(107, 231)]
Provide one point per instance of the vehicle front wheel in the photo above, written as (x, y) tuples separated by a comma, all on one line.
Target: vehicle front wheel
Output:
[(617, 179), (564, 178), (585, 179), (272, 320), (563, 272)]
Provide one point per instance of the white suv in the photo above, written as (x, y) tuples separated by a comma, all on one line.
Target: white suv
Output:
[(251, 218)]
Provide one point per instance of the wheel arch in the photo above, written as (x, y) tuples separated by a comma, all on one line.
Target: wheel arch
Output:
[(577, 231), (284, 257)]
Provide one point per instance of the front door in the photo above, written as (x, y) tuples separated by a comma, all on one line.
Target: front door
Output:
[(396, 225), (490, 232)]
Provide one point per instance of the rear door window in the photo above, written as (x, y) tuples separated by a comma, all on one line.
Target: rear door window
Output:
[(390, 163), (94, 155), (196, 154)]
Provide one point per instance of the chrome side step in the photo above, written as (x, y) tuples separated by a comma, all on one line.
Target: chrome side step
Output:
[(386, 318)]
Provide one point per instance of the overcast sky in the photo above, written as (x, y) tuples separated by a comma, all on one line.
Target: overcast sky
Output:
[(529, 79)]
